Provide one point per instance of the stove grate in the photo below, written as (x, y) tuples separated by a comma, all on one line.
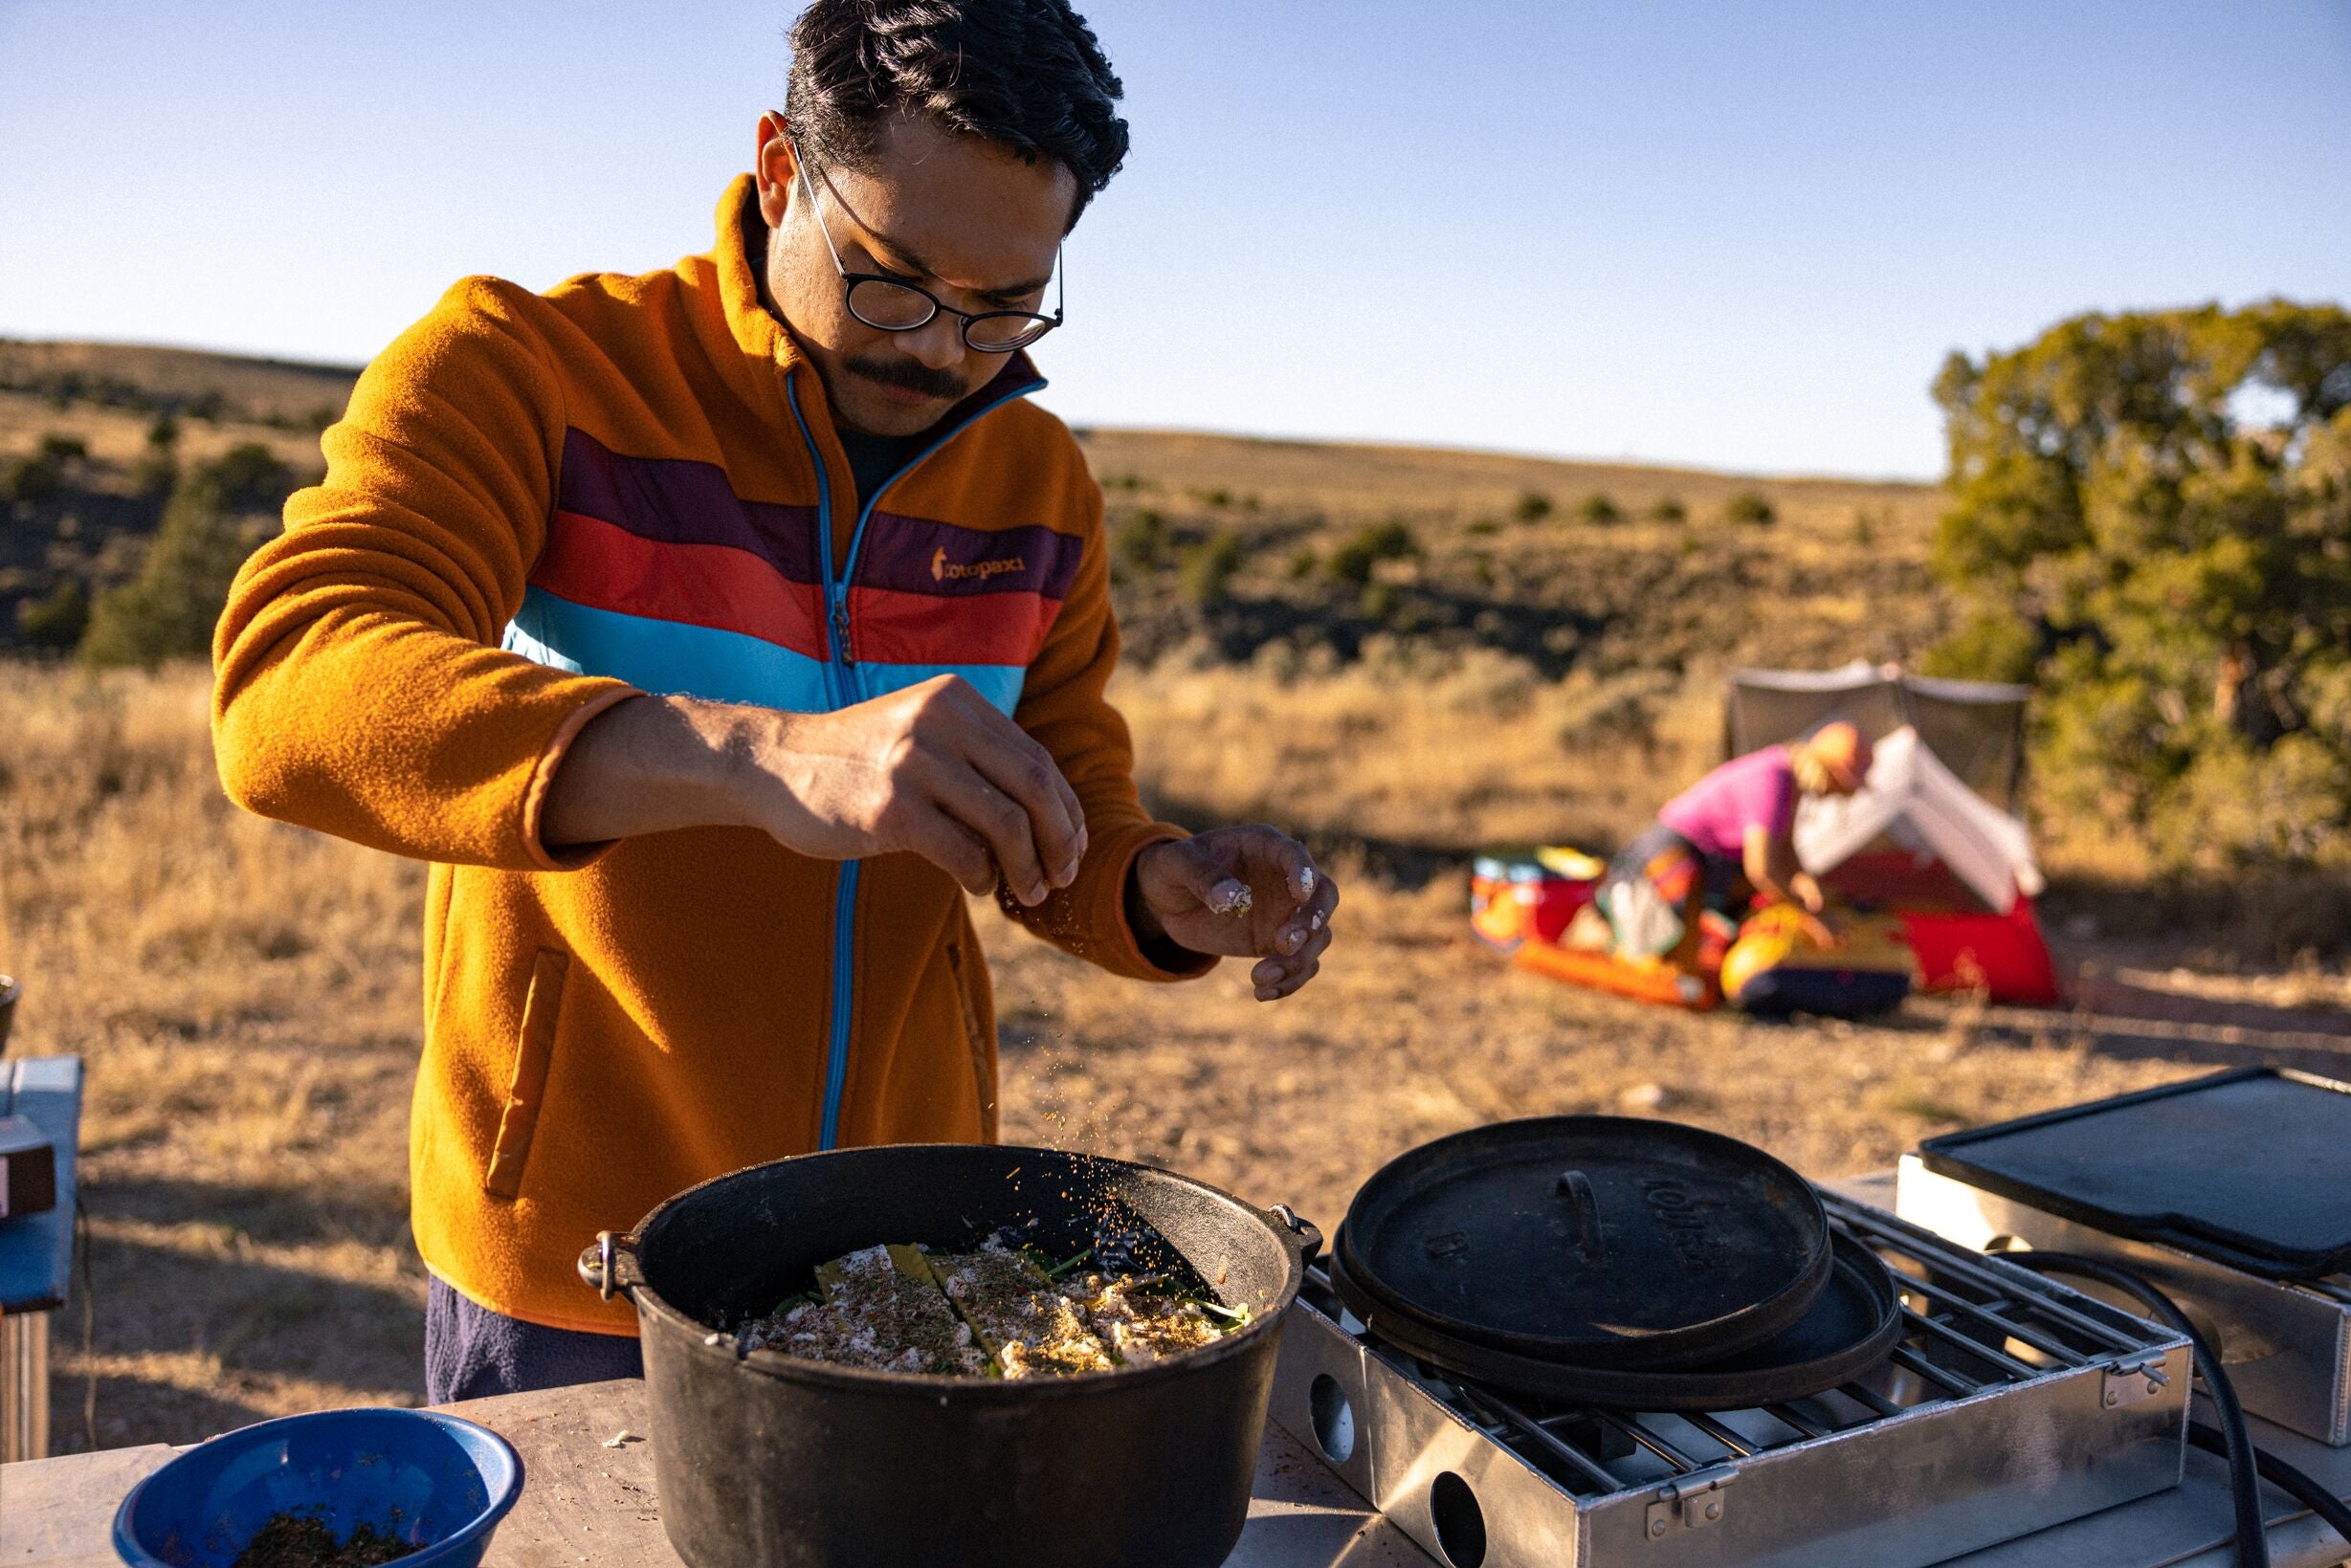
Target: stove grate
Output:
[(1969, 1330), (2017, 1370)]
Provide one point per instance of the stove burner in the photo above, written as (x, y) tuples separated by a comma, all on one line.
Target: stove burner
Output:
[(2008, 1403)]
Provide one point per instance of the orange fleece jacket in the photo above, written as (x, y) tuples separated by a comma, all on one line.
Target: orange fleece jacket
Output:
[(539, 505)]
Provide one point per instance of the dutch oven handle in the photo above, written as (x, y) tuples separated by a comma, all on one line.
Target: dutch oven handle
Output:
[(1301, 1232), (609, 1266)]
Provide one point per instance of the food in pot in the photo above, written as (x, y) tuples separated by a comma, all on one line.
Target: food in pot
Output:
[(302, 1540), (995, 1311), (880, 1309), (1142, 1317), (1010, 1303)]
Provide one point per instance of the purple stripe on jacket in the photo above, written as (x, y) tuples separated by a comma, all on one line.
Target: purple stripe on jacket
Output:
[(915, 555), (675, 501)]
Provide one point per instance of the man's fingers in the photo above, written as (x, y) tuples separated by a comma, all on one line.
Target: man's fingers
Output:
[(1011, 761), (1313, 916), (1276, 857), (1007, 827), (1288, 982), (1282, 975), (955, 850)]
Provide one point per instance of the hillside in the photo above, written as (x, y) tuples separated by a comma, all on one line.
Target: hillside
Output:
[(1224, 546)]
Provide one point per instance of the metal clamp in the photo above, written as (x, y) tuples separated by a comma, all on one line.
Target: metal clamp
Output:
[(600, 1263), (1696, 1498), (2130, 1382)]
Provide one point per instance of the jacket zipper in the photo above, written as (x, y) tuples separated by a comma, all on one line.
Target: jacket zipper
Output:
[(842, 686)]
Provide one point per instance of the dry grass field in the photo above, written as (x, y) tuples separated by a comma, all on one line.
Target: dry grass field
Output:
[(247, 995), (246, 998)]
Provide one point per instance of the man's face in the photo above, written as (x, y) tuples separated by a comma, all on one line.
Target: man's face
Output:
[(958, 217)]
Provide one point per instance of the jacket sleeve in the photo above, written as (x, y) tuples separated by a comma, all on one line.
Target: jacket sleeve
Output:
[(1063, 706), (359, 685)]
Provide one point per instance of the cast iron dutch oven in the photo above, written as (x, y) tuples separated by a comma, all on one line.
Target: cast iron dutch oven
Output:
[(762, 1459), (1609, 1243)]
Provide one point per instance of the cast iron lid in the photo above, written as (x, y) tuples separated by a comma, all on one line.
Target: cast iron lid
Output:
[(2249, 1168), (1602, 1241), (1849, 1329)]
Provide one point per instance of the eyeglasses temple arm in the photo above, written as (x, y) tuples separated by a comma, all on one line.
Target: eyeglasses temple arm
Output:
[(816, 208)]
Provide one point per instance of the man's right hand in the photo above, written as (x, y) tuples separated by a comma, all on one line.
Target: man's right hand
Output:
[(934, 769)]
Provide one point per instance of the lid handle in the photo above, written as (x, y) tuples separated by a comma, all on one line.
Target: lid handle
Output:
[(1574, 1188)]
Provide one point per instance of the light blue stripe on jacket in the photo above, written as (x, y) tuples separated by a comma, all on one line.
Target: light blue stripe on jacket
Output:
[(671, 657)]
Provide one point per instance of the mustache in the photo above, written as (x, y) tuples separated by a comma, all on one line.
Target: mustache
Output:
[(909, 375)]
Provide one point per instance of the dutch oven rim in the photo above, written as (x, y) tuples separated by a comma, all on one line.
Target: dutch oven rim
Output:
[(615, 1257)]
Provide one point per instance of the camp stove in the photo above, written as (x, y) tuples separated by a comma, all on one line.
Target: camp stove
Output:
[(2226, 1193), (2285, 1344), (2011, 1404)]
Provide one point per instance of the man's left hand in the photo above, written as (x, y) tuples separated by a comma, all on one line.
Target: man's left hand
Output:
[(1240, 893)]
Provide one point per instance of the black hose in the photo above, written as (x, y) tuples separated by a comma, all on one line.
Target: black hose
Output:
[(2312, 1493), (2236, 1443)]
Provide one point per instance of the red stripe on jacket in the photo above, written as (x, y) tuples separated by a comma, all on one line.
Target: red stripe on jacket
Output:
[(594, 562), (893, 627)]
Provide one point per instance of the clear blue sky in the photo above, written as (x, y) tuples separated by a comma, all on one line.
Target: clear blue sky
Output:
[(1735, 235)]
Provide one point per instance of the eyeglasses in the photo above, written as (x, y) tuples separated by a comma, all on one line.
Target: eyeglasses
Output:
[(891, 304)]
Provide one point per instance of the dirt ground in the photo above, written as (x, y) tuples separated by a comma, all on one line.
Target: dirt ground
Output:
[(246, 998)]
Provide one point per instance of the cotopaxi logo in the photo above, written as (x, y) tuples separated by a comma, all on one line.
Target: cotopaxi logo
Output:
[(944, 570)]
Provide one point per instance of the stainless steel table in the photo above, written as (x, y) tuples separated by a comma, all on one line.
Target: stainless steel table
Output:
[(585, 1503)]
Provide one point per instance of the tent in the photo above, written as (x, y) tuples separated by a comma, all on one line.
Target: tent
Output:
[(1976, 728), (1927, 837)]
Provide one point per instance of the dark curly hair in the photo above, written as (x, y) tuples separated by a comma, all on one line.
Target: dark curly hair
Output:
[(1024, 74)]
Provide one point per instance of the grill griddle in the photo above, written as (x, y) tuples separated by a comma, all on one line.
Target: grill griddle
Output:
[(2250, 1168)]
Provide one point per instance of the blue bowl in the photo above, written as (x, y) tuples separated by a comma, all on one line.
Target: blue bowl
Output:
[(434, 1481)]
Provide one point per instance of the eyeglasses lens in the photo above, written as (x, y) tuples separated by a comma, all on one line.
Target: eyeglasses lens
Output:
[(893, 308), (1000, 334)]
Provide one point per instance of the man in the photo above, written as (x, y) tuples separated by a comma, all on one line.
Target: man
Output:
[(711, 631)]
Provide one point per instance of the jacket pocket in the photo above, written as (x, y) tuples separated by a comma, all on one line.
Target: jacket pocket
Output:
[(978, 1037), (534, 1049)]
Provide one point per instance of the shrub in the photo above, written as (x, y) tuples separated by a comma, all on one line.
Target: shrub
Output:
[(1600, 510), (247, 477), (2164, 499), (163, 431), (31, 479), (168, 610), (1531, 506), (1484, 526), (1302, 563), (1381, 602), (1667, 509), (1139, 543), (1372, 544), (64, 449), (1991, 644), (58, 619), (1205, 573), (1750, 507), (155, 472), (1218, 496)]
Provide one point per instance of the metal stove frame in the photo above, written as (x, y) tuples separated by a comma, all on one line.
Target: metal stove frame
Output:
[(2012, 1403), (2286, 1344)]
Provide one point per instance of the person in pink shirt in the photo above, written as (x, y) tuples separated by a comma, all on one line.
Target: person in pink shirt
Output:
[(1727, 839)]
